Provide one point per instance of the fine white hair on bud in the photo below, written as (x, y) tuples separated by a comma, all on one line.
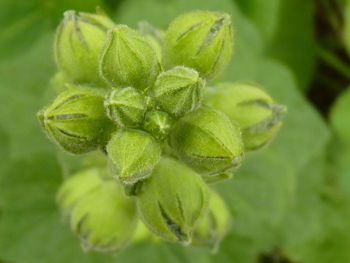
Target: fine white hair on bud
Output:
[(248, 105), (134, 154), (172, 200), (76, 120), (178, 90), (126, 107), (128, 59), (207, 141)]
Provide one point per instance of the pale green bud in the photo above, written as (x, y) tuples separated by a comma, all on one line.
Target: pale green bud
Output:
[(134, 154), (158, 123), (76, 120), (179, 90), (214, 226), (172, 200), (207, 141), (201, 40), (252, 108), (79, 40), (128, 59), (77, 187), (126, 107), (98, 211)]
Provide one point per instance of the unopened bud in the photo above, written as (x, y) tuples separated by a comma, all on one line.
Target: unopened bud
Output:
[(158, 123), (172, 200), (126, 107), (252, 108), (98, 211), (128, 59), (76, 120), (79, 40), (178, 90), (134, 154), (207, 141), (201, 40)]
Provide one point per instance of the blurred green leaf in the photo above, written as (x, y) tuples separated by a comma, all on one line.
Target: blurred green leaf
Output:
[(303, 223), (4, 157), (340, 117), (347, 26), (264, 14), (341, 170), (287, 28), (161, 12), (316, 229), (335, 243), (259, 196), (23, 85), (339, 148), (22, 22), (4, 148), (293, 43)]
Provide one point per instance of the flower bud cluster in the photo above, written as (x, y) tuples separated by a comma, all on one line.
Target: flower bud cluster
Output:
[(141, 96)]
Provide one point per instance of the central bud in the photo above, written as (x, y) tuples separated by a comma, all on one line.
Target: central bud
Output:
[(126, 107)]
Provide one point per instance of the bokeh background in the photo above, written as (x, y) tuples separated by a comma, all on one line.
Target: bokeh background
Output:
[(291, 202)]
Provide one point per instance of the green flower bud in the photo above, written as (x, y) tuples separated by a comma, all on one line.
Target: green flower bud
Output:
[(158, 123), (79, 40), (252, 108), (201, 40), (128, 59), (207, 141), (134, 154), (172, 200), (98, 211), (126, 107), (76, 120), (214, 226), (179, 90)]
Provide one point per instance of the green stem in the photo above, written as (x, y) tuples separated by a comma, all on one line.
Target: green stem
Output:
[(334, 61)]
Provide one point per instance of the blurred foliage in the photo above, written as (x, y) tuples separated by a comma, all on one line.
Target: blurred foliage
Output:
[(23, 22), (287, 27), (291, 203)]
